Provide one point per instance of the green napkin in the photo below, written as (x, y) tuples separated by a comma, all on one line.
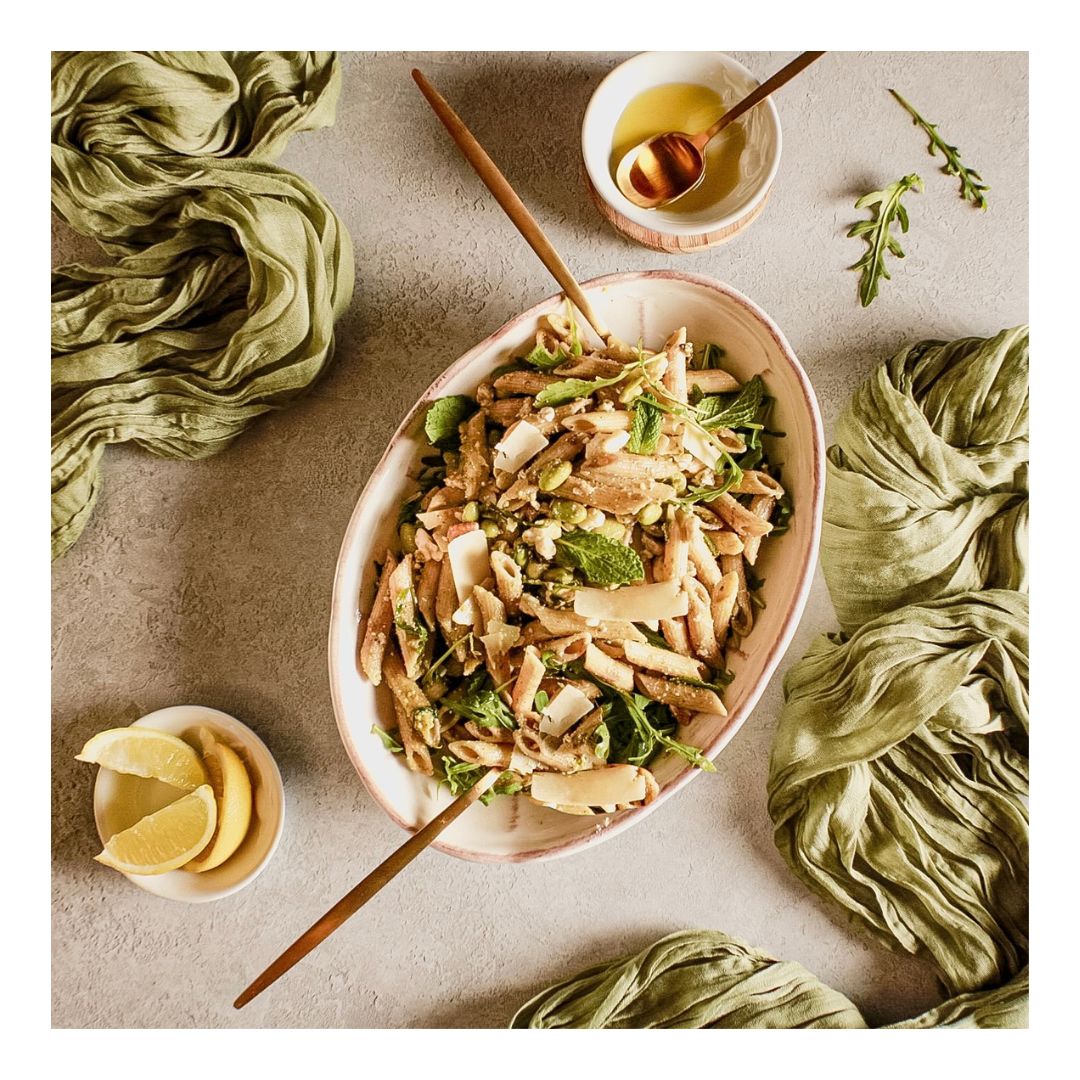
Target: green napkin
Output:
[(899, 772), (229, 270), (927, 482)]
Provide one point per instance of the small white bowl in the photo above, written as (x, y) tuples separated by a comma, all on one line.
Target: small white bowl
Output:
[(646, 305), (760, 160), (121, 800)]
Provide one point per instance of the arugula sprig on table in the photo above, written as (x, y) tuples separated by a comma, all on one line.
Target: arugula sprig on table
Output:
[(971, 187), (877, 231)]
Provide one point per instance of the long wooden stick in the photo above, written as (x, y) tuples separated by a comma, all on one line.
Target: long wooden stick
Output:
[(508, 199), (360, 894)]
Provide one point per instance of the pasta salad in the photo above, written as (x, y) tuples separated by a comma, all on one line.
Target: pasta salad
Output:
[(572, 569)]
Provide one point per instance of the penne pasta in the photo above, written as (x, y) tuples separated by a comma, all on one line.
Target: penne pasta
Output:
[(680, 695), (557, 530), (380, 619)]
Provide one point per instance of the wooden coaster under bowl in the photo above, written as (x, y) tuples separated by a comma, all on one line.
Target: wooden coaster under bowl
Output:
[(675, 245)]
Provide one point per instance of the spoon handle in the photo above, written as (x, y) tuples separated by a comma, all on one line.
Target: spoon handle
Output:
[(774, 82), (360, 894), (508, 199)]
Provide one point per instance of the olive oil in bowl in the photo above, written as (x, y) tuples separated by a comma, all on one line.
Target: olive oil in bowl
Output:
[(687, 107)]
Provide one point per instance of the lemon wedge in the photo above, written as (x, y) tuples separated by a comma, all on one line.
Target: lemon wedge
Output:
[(143, 752), (232, 790), (165, 840)]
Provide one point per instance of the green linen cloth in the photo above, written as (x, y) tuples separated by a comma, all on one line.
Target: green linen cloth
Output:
[(898, 777), (229, 271), (927, 481), (899, 773), (692, 979)]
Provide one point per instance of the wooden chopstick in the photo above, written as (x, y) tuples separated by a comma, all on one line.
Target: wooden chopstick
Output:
[(360, 894), (508, 199)]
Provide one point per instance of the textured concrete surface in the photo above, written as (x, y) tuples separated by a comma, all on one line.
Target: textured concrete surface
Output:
[(210, 581)]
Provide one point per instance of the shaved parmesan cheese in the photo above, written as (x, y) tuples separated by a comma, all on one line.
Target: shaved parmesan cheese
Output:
[(703, 448), (633, 603), (465, 614), (501, 637), (592, 787), (519, 444), (468, 563), (522, 763), (567, 707)]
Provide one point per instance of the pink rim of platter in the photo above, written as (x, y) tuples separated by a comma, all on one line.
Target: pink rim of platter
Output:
[(514, 333)]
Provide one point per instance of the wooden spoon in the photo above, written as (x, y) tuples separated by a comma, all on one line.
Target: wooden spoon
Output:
[(665, 167)]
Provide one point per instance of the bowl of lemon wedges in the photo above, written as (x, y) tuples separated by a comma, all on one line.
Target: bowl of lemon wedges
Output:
[(188, 802)]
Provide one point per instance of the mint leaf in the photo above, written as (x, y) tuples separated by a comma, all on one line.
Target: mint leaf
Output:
[(567, 390), (444, 416), (646, 426), (543, 360), (477, 700), (388, 740), (732, 411), (602, 561)]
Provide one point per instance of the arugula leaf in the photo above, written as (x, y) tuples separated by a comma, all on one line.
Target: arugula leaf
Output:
[(641, 728), (602, 561), (646, 425), (478, 700), (781, 520), (408, 509), (458, 776), (541, 700), (444, 416), (970, 187), (567, 390), (658, 641), (602, 746), (732, 411), (507, 784), (733, 476), (543, 360), (877, 233), (388, 740)]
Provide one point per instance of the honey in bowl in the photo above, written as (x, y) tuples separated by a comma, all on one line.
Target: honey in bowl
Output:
[(687, 107)]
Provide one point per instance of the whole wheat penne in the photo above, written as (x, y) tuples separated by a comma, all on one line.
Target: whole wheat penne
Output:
[(506, 411), (475, 455), (609, 670), (615, 497), (704, 561), (522, 382), (723, 598), (417, 719), (507, 576), (381, 618), (568, 648), (663, 661), (676, 557), (411, 637), (529, 677), (675, 375), (742, 619), (589, 367), (546, 750), (561, 623), (756, 482), (632, 466), (739, 517), (675, 634), (488, 734), (699, 623), (762, 506), (481, 752), (713, 381), (427, 589), (679, 695), (416, 754)]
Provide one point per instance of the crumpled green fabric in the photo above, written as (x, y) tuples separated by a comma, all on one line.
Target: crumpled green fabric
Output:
[(899, 772), (927, 483), (692, 979), (229, 272), (898, 780)]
